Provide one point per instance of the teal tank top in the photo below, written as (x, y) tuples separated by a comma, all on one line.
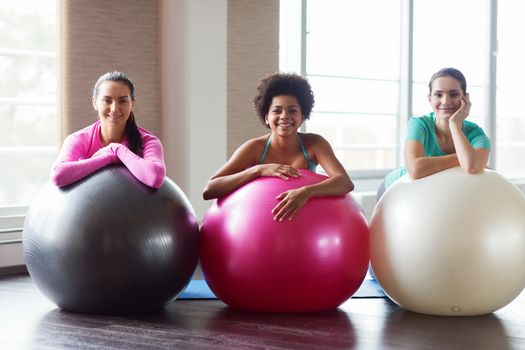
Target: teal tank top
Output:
[(311, 164)]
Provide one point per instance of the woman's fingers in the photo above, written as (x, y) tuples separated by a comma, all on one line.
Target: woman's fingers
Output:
[(288, 206), (277, 209), (279, 170), (283, 213), (468, 104), (288, 170)]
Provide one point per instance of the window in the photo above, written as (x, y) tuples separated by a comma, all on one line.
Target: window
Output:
[(369, 63), (353, 65), (463, 47), (510, 147), (28, 90)]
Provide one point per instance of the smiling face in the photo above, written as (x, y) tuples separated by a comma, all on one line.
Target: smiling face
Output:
[(284, 116), (445, 96), (113, 103)]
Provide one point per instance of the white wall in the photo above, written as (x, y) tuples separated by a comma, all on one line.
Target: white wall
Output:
[(194, 70)]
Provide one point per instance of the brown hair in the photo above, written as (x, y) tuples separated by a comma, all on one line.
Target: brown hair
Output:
[(132, 131)]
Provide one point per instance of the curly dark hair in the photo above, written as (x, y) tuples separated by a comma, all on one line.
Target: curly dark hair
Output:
[(278, 84)]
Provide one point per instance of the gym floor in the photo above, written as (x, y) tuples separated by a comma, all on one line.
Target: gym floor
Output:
[(29, 321)]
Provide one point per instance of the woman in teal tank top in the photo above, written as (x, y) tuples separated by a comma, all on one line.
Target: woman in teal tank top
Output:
[(283, 103), (443, 139), (312, 165)]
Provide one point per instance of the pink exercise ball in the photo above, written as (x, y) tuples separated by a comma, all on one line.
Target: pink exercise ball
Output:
[(314, 262)]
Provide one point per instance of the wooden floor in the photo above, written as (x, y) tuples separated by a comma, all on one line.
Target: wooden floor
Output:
[(29, 321)]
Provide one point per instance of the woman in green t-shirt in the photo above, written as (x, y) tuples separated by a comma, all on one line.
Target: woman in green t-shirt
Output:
[(443, 139)]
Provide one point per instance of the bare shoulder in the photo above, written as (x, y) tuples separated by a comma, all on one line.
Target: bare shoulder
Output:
[(254, 145), (317, 147), (250, 151), (256, 142), (313, 140)]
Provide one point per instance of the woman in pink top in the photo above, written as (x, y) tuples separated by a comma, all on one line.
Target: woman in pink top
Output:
[(114, 138)]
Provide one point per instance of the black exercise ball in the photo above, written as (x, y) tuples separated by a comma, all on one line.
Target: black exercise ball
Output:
[(109, 244)]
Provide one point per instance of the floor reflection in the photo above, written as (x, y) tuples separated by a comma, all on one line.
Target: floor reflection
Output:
[(413, 330), (327, 330)]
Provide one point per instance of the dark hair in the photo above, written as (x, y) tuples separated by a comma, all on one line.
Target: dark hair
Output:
[(278, 84), (132, 131), (449, 72)]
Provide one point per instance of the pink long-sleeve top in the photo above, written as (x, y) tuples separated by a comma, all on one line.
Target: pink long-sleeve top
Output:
[(76, 159)]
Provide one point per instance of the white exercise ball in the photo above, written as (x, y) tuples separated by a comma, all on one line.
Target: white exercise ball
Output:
[(451, 243)]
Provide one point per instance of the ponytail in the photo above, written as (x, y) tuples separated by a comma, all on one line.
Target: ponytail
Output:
[(133, 135)]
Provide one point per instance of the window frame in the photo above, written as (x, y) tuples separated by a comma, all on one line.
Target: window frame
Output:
[(406, 79), (12, 216)]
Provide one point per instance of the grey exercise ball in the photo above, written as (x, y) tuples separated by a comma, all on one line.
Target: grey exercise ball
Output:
[(109, 244)]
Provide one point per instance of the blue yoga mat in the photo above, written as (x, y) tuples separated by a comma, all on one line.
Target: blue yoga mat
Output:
[(198, 289)]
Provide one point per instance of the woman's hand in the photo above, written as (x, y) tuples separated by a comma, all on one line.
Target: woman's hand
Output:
[(279, 170), (463, 111), (111, 149), (290, 203)]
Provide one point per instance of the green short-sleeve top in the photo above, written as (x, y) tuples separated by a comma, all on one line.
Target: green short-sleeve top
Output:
[(423, 129)]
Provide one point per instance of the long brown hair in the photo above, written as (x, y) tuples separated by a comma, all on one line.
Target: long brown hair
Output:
[(132, 131)]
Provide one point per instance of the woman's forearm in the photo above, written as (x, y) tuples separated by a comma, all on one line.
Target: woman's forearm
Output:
[(223, 185), (336, 185), (68, 172), (425, 166), (469, 159), (149, 170)]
